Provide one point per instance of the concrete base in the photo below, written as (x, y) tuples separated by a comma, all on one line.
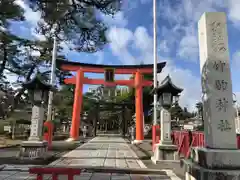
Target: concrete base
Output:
[(137, 141), (216, 158), (165, 152), (211, 164), (34, 138), (196, 172), (33, 149)]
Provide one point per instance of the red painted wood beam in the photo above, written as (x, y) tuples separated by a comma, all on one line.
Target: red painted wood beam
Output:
[(69, 68), (147, 83), (103, 82), (72, 80), (102, 70)]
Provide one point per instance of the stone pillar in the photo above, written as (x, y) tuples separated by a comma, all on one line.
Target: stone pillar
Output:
[(64, 128), (165, 137), (220, 159), (36, 123), (165, 150), (35, 147)]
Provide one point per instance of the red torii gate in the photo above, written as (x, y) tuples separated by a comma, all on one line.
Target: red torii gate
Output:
[(138, 83)]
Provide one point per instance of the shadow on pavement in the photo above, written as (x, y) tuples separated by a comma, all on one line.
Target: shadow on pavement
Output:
[(97, 157), (110, 142), (59, 148), (144, 152), (101, 169)]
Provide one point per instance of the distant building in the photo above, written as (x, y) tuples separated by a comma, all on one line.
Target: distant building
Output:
[(108, 93), (121, 90), (92, 89)]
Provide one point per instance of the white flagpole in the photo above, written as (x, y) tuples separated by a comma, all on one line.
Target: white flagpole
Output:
[(52, 81), (155, 61)]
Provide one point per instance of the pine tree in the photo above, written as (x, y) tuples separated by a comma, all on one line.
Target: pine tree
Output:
[(9, 11), (76, 21)]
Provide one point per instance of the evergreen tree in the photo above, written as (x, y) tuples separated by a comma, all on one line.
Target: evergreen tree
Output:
[(76, 21), (9, 11)]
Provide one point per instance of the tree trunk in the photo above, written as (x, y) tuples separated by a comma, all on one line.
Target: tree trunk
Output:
[(17, 98), (4, 60)]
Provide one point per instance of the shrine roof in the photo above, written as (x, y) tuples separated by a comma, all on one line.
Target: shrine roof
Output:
[(160, 66), (37, 83), (167, 86)]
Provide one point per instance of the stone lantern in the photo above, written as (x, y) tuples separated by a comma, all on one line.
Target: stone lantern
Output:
[(38, 93), (168, 94)]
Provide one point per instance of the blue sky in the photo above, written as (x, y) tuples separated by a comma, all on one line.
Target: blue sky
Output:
[(130, 34)]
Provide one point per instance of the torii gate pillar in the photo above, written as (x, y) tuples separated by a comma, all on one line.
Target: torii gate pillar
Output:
[(139, 108), (77, 106)]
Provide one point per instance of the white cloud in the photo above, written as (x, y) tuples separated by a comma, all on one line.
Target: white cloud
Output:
[(123, 39), (35, 53), (142, 40), (117, 20), (236, 59), (119, 39), (164, 47), (183, 17), (188, 48), (234, 13), (31, 17)]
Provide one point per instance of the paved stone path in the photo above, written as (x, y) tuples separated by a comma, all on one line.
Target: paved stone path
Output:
[(102, 151), (106, 152)]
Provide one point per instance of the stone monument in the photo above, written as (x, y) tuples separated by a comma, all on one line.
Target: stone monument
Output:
[(220, 158)]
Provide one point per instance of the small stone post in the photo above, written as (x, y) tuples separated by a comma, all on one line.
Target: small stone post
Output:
[(84, 132), (36, 123), (220, 159), (165, 137)]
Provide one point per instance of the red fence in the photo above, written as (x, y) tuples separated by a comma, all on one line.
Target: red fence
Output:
[(185, 140), (155, 135)]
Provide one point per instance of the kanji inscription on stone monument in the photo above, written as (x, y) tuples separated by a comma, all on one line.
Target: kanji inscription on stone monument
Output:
[(219, 65), (222, 104), (166, 122), (218, 41), (36, 123), (219, 125)]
